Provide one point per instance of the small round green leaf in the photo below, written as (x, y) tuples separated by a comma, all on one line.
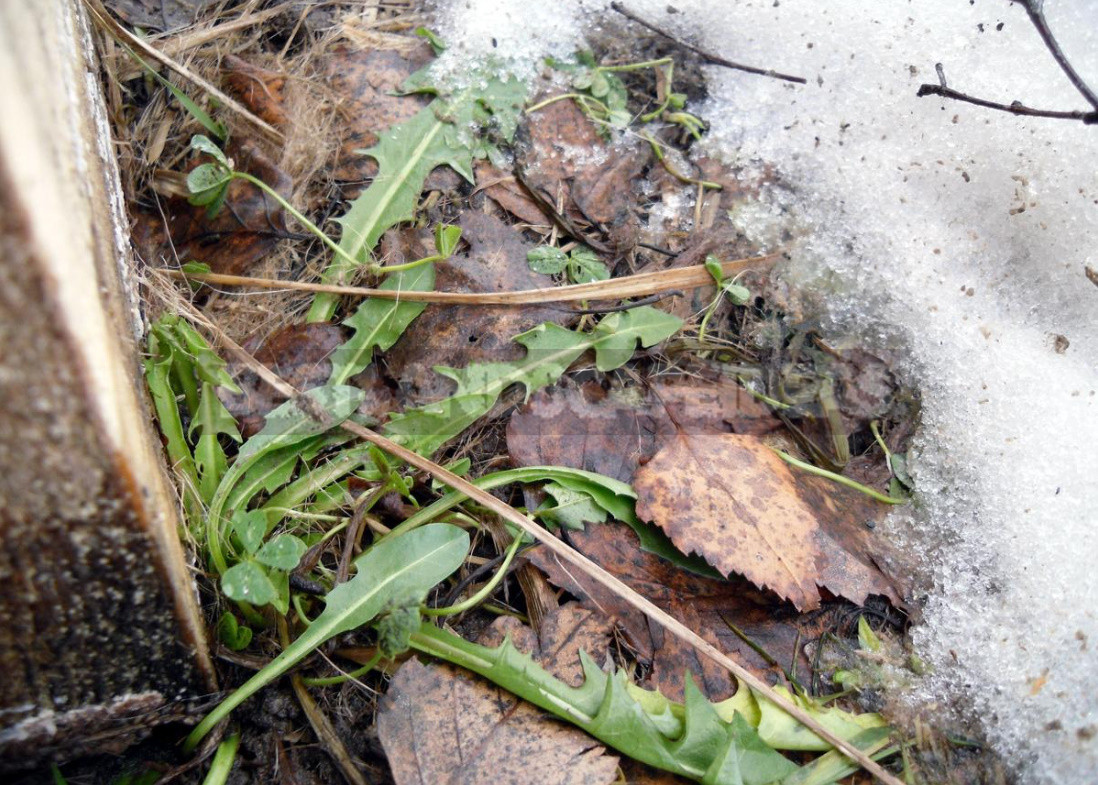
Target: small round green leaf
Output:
[(584, 266), (547, 260), (248, 582), (203, 144), (250, 527), (282, 552), (206, 179)]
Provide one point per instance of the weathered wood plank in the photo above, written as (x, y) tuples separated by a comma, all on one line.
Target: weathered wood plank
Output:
[(99, 625)]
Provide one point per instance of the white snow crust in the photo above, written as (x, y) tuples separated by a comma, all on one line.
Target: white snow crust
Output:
[(914, 234)]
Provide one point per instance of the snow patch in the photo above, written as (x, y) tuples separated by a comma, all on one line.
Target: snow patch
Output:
[(962, 235)]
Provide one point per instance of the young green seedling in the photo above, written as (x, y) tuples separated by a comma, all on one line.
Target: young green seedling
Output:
[(396, 569), (581, 264)]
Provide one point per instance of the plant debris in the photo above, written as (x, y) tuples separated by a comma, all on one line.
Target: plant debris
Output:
[(319, 548), (732, 500)]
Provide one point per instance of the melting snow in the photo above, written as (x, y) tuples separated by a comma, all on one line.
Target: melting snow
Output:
[(963, 236)]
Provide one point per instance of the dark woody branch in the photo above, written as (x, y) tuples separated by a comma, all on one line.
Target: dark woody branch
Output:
[(1035, 10)]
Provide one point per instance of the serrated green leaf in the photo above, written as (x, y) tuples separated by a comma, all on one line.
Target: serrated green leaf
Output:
[(291, 424), (618, 334), (688, 739), (208, 364), (282, 552), (248, 582), (211, 420), (694, 739), (379, 323), (547, 260), (834, 766), (250, 528), (550, 350), (747, 760), (571, 509), (780, 730), (443, 133), (158, 369), (396, 568)]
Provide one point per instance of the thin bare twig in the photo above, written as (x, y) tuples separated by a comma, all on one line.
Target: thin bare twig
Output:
[(640, 285), (560, 550), (107, 23), (707, 56), (1035, 10)]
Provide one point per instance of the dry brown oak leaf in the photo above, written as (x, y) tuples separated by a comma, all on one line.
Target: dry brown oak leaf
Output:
[(733, 501), (440, 725), (708, 606)]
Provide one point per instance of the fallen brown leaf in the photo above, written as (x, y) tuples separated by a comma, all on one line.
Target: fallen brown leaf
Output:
[(440, 724), (707, 605), (502, 188), (733, 501), (163, 15), (298, 352), (454, 336), (613, 432), (565, 162), (257, 88)]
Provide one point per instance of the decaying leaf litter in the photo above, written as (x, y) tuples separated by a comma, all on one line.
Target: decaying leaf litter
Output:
[(604, 423)]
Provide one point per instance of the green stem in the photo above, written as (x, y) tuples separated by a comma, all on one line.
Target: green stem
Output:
[(553, 100), (657, 149), (358, 673), (758, 396), (454, 498), (223, 761), (637, 66), (849, 483), (301, 615), (485, 592), (307, 642), (397, 268), (301, 219), (874, 426)]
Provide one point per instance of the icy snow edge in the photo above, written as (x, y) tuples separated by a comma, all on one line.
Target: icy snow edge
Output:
[(961, 235)]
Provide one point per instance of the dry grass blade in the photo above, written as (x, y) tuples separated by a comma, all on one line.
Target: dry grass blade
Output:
[(564, 552), (108, 23), (613, 289), (172, 45), (327, 734)]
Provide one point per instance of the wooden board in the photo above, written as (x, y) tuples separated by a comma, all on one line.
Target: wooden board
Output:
[(100, 633)]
